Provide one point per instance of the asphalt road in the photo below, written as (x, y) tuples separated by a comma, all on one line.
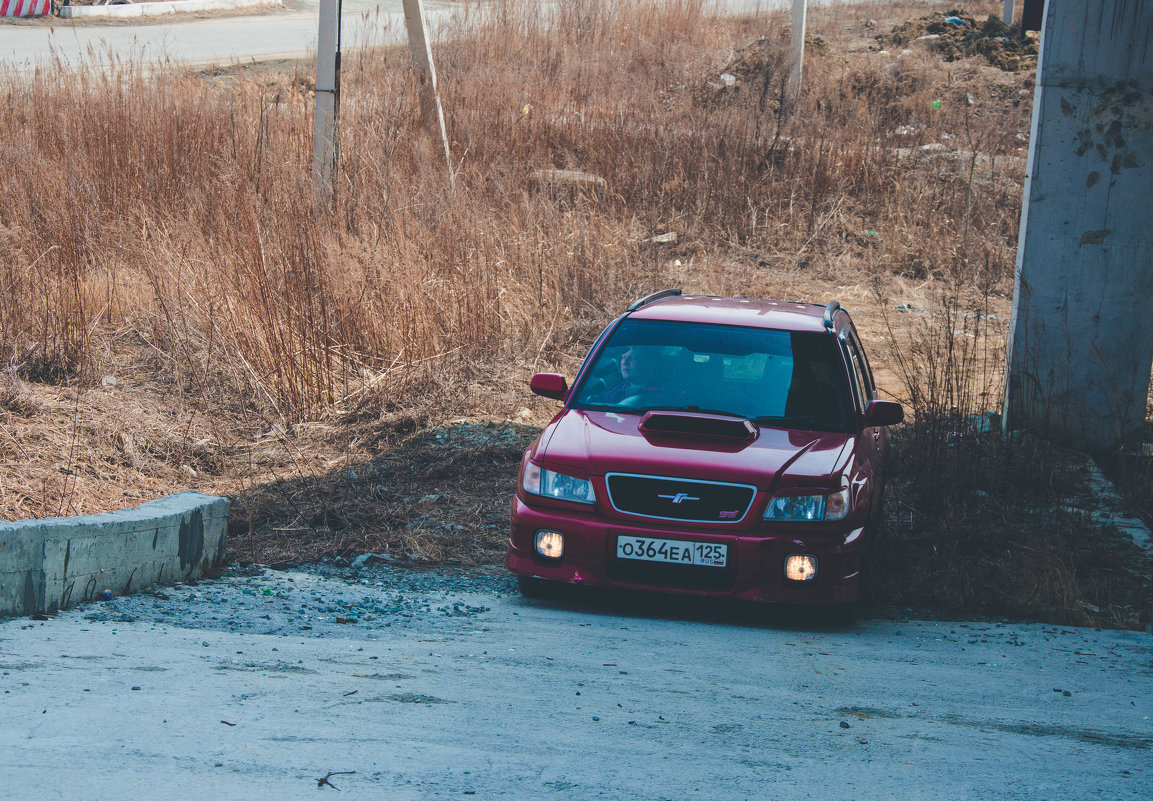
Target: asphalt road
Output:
[(289, 32), (439, 686)]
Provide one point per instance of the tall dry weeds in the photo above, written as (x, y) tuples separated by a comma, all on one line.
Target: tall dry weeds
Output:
[(180, 205)]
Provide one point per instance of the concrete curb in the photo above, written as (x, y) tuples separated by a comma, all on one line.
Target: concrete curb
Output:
[(149, 9), (52, 564)]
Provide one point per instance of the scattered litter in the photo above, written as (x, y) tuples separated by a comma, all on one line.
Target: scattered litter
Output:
[(955, 20), (108, 382), (325, 780), (663, 239)]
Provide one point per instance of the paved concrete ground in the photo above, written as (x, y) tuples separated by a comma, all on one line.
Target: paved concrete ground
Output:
[(438, 687)]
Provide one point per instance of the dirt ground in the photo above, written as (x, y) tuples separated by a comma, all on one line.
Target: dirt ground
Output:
[(423, 467)]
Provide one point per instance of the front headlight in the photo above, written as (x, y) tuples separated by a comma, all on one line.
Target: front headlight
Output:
[(549, 484), (794, 508)]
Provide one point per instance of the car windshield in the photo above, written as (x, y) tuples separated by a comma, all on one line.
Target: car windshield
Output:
[(776, 378)]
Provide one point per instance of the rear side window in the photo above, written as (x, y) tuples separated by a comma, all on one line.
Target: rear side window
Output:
[(795, 379)]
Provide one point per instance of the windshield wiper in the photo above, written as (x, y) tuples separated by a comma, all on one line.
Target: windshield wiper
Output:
[(699, 410)]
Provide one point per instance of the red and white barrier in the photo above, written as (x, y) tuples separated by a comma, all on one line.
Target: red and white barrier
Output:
[(24, 8)]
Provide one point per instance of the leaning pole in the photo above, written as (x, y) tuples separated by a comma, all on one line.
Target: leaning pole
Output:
[(1081, 335)]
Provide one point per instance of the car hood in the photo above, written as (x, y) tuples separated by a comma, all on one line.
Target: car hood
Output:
[(606, 442)]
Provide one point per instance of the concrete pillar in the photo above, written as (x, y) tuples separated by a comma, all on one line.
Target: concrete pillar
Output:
[(1007, 14), (1081, 336), (324, 135), (797, 45)]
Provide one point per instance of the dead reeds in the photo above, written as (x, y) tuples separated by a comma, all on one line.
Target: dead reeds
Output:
[(182, 205)]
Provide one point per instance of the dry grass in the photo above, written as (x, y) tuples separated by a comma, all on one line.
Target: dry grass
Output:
[(161, 227), (180, 206)]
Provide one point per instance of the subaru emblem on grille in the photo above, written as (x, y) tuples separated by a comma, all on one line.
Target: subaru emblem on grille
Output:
[(679, 497)]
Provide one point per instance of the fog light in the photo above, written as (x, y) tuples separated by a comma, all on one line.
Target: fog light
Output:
[(800, 567), (550, 544)]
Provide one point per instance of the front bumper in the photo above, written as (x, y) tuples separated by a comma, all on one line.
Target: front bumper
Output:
[(755, 569)]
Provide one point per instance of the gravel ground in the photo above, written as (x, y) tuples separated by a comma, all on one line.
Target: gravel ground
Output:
[(315, 600)]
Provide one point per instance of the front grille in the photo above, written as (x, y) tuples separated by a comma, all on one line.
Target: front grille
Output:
[(688, 500)]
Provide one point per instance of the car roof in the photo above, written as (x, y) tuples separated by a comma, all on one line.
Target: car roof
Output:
[(775, 314)]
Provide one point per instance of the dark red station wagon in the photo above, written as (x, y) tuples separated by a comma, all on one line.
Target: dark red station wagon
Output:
[(709, 446)]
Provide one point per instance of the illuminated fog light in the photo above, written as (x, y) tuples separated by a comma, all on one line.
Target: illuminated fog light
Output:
[(550, 544), (799, 567)]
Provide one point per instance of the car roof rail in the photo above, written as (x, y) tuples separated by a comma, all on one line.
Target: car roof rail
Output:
[(664, 293), (830, 310)]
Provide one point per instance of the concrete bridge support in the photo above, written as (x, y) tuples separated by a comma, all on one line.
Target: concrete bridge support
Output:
[(1081, 340)]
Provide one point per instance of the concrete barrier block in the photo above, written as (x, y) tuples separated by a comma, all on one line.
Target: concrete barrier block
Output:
[(56, 563), (152, 9)]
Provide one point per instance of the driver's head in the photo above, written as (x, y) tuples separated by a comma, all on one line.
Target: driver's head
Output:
[(630, 364)]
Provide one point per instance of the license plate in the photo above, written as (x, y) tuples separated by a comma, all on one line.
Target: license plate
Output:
[(678, 552)]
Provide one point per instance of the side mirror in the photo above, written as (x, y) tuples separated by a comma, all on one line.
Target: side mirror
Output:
[(883, 413), (549, 385)]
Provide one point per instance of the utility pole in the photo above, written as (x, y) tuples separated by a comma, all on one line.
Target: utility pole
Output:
[(325, 144), (1007, 17), (421, 50), (1081, 335), (797, 46)]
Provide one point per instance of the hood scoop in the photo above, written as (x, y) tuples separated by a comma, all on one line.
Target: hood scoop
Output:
[(698, 424)]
